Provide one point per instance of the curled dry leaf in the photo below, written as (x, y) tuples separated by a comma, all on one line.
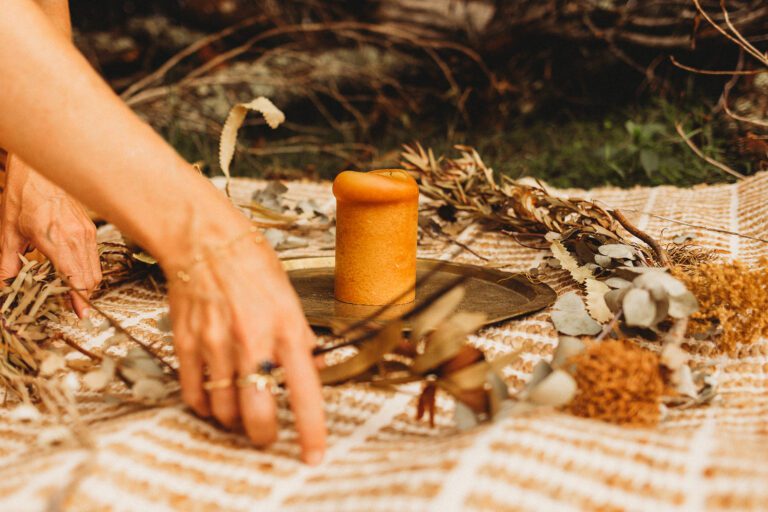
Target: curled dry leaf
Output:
[(272, 115)]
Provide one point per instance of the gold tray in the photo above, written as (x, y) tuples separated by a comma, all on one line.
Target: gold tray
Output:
[(500, 295)]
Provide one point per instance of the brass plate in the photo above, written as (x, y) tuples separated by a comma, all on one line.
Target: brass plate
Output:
[(500, 295)]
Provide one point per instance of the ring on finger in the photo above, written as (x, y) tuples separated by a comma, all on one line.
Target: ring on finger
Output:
[(213, 385), (261, 381)]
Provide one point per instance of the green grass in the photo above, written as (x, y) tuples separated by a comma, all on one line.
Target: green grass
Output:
[(624, 146)]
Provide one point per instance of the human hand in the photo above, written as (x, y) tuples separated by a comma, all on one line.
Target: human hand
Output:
[(233, 310), (35, 212)]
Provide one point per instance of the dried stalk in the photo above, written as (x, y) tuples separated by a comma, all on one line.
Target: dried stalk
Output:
[(661, 255), (698, 152)]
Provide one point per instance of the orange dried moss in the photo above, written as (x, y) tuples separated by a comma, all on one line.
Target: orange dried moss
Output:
[(731, 295), (618, 382)]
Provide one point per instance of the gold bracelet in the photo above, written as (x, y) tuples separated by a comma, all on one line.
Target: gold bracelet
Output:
[(184, 273)]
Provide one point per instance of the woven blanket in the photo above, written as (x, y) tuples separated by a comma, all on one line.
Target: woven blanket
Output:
[(380, 458)]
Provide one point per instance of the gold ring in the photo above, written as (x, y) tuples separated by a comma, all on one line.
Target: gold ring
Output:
[(213, 385), (263, 382)]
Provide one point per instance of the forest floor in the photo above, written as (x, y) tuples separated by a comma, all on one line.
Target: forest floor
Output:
[(623, 146)]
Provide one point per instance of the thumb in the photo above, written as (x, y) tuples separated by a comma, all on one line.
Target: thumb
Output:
[(11, 246)]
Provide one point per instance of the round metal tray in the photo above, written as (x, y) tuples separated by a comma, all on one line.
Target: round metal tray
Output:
[(500, 295)]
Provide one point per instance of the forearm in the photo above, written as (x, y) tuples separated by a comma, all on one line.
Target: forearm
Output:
[(62, 119), (57, 12)]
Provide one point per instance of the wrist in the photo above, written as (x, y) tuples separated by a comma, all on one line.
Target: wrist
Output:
[(201, 221)]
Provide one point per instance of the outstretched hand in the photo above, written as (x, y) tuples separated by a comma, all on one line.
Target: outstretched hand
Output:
[(235, 311), (35, 213)]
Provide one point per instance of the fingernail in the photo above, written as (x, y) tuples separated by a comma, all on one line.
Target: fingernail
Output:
[(314, 458), (86, 312)]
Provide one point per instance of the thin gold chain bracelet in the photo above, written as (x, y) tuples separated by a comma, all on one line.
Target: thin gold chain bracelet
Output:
[(184, 274)]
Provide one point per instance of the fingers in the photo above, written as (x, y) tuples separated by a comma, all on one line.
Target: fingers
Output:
[(11, 246), (257, 407), (190, 361), (219, 354), (305, 392), (74, 253)]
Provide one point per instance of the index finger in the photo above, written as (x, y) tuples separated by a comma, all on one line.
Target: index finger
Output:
[(306, 397)]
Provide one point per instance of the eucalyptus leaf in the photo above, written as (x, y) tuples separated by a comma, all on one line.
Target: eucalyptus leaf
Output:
[(540, 371), (683, 305), (681, 239), (639, 308), (567, 347), (555, 390), (149, 389), (617, 251), (603, 261), (464, 417), (98, 379), (617, 283), (614, 297), (164, 323), (570, 316)]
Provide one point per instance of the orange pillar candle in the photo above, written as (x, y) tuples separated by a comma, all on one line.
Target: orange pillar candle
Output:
[(377, 215)]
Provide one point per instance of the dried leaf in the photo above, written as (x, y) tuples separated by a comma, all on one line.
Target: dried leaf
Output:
[(447, 340), (370, 353), (569, 263), (438, 311), (596, 304)]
